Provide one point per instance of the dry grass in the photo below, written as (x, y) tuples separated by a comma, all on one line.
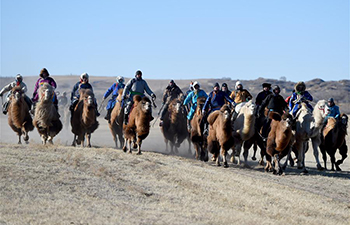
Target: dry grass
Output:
[(64, 185)]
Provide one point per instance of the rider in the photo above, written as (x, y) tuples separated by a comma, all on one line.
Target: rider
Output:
[(239, 95), (215, 101), (114, 90), (225, 89), (8, 88), (44, 78), (333, 110), (262, 95), (172, 91), (300, 95), (274, 103), (135, 86), (63, 100), (193, 95), (82, 84)]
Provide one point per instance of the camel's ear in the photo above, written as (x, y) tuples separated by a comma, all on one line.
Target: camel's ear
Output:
[(275, 116)]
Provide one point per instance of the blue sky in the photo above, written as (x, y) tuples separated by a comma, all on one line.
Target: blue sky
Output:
[(247, 39)]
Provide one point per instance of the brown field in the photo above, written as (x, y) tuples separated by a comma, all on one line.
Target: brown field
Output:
[(64, 185)]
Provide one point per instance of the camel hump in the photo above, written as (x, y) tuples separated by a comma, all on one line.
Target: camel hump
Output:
[(201, 100), (137, 98), (275, 116), (331, 122), (17, 89), (212, 117)]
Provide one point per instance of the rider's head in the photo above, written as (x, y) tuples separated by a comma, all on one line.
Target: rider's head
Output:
[(224, 87), (239, 85), (171, 83), (64, 93), (276, 89), (300, 87), (330, 102), (44, 73), (120, 79), (138, 74), (84, 78), (266, 86), (196, 85), (191, 86), (19, 78), (216, 87)]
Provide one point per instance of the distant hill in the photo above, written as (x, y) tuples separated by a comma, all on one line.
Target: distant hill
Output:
[(320, 89)]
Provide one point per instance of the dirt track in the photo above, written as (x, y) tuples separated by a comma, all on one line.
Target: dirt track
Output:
[(63, 185)]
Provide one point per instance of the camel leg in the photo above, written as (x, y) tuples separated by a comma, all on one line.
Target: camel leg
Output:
[(139, 142), (284, 166), (88, 140), (19, 139), (121, 140), (43, 139), (315, 143), (324, 156), (218, 160), (74, 140), (189, 146), (238, 153), (166, 145), (343, 150), (49, 139), (255, 148), (245, 155), (305, 145), (125, 147), (196, 147), (130, 149), (224, 155), (332, 156), (25, 135)]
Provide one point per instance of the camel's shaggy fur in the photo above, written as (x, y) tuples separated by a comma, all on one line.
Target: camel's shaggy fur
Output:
[(197, 138), (243, 129), (174, 125), (116, 121), (220, 134), (46, 118), (19, 118), (84, 120), (279, 141), (139, 123), (334, 138)]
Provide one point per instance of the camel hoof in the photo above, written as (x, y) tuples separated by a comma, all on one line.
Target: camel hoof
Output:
[(125, 149), (319, 167), (226, 165), (253, 158), (218, 164), (138, 153), (134, 146), (213, 158), (26, 138)]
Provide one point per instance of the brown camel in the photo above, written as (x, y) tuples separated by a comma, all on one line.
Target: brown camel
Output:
[(84, 121), (46, 118), (197, 137), (19, 118), (333, 139), (279, 141), (220, 134), (139, 123), (174, 127), (116, 121)]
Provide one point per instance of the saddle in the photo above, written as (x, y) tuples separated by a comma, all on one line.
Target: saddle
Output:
[(331, 122)]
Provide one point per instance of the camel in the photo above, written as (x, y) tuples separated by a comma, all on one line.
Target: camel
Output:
[(333, 139), (243, 130), (46, 117), (19, 118), (139, 123), (308, 125), (83, 120), (174, 127), (279, 141), (116, 121), (220, 134), (197, 138)]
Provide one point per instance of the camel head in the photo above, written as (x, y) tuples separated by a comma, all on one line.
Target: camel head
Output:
[(344, 119), (287, 120), (46, 92), (146, 105), (175, 106), (250, 107), (226, 111), (17, 93)]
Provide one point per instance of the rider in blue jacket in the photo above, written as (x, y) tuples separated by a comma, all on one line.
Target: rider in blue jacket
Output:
[(300, 95), (114, 91)]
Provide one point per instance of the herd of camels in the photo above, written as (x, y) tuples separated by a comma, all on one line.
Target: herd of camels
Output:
[(224, 134)]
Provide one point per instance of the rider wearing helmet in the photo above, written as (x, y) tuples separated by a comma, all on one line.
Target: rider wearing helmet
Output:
[(135, 86), (171, 92), (82, 84), (193, 96), (8, 88), (114, 91), (300, 95), (333, 109)]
